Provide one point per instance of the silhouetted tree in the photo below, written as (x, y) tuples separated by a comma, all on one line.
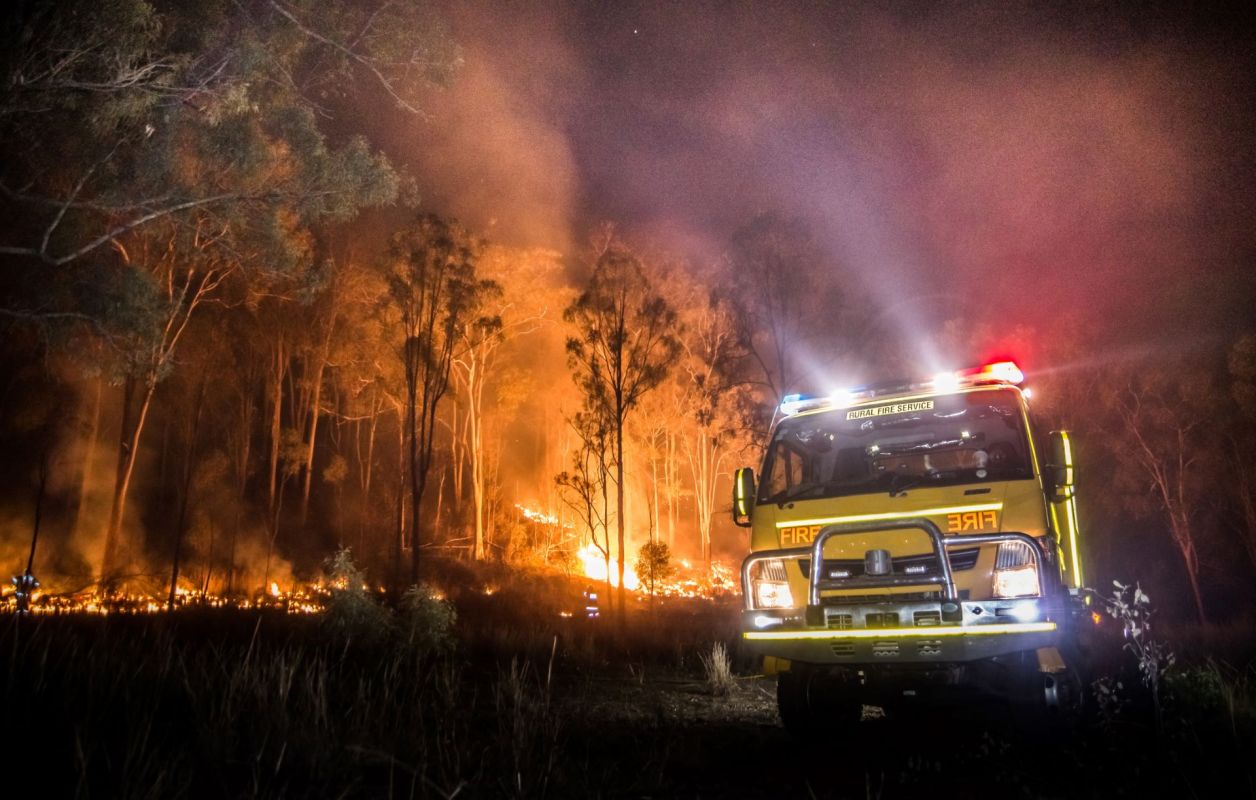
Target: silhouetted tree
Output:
[(654, 564), (437, 295), (624, 346)]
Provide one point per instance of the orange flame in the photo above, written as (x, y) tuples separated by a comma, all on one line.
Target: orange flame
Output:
[(594, 564)]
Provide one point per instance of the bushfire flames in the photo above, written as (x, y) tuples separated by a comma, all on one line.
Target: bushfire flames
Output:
[(308, 599), (594, 564), (687, 580)]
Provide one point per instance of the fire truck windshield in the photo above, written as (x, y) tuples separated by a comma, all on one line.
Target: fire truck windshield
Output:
[(973, 437)]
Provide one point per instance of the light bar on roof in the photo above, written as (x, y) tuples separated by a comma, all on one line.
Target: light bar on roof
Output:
[(792, 404), (994, 372), (1004, 371)]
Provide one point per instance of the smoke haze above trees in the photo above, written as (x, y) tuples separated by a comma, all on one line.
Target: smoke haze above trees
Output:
[(821, 195)]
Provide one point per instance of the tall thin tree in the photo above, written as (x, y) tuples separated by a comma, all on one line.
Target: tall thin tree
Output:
[(624, 345), (434, 286)]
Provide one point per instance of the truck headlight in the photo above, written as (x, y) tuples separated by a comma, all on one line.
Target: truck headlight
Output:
[(1015, 571), (1019, 582), (769, 585)]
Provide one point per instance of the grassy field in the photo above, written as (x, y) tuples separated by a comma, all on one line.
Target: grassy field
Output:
[(512, 699)]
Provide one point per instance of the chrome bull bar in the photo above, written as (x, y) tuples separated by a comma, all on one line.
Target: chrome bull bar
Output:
[(819, 583)]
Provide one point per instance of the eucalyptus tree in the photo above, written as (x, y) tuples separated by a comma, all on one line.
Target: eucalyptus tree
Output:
[(516, 306), (437, 295), (623, 346), (154, 150)]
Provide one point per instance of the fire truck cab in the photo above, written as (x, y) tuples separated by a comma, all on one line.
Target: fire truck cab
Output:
[(913, 543)]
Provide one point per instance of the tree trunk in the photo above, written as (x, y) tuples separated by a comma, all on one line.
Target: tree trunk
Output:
[(656, 523), (89, 460), (619, 512), (457, 452), (416, 490), (128, 451), (310, 441), (401, 506), (1182, 534), (243, 453), (672, 474), (311, 438), (475, 435), (184, 496), (279, 369), (209, 561)]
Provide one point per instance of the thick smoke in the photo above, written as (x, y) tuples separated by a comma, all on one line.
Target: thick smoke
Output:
[(1018, 175)]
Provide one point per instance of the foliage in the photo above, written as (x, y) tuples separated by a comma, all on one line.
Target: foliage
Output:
[(427, 619), (1130, 606), (654, 563), (126, 114), (352, 612)]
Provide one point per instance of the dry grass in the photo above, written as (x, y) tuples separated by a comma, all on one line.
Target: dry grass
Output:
[(521, 705), (718, 669)]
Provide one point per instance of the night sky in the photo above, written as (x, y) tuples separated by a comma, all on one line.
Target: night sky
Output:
[(1084, 165)]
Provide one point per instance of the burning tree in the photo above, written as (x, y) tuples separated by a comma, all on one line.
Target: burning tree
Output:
[(586, 487), (624, 347)]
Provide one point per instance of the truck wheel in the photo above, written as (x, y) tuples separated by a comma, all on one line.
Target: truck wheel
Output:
[(1049, 705), (813, 703)]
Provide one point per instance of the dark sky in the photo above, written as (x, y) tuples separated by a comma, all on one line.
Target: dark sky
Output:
[(1008, 162)]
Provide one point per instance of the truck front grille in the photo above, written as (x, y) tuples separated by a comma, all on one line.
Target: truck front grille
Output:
[(924, 565), (885, 597)]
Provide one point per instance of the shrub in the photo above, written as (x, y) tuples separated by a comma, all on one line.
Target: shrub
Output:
[(427, 619), (352, 614)]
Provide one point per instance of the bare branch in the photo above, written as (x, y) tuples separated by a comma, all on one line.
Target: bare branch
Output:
[(353, 55)]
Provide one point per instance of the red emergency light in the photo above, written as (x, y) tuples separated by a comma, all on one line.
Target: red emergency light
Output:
[(994, 372), (1003, 371)]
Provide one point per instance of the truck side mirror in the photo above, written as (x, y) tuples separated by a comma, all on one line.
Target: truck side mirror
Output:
[(1061, 466), (743, 496)]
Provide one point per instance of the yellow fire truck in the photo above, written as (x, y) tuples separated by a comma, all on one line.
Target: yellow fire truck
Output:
[(911, 543)]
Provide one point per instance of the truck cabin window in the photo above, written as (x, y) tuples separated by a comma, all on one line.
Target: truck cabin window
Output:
[(947, 440)]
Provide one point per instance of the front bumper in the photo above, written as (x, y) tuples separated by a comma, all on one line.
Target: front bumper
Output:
[(986, 630), (945, 630)]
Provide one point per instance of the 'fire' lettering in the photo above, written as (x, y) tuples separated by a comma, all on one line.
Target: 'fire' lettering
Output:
[(971, 521)]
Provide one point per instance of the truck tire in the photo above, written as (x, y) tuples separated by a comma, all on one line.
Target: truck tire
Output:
[(812, 703)]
